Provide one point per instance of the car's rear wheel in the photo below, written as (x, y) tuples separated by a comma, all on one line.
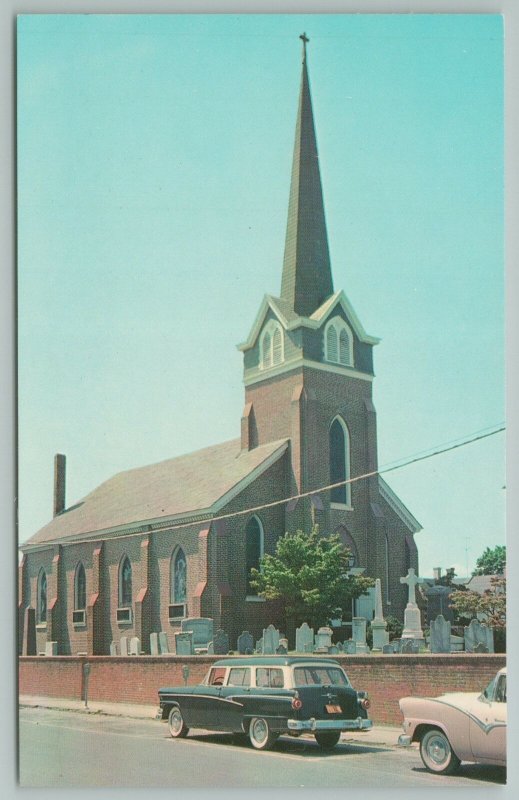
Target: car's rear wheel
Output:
[(437, 753), (260, 735), (177, 726), (327, 739)]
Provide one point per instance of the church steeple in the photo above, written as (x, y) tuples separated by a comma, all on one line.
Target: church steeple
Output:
[(307, 277)]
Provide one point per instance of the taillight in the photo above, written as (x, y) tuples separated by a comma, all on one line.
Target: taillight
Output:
[(365, 703), (296, 703)]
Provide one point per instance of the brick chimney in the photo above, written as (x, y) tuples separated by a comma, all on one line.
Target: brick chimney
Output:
[(59, 483)]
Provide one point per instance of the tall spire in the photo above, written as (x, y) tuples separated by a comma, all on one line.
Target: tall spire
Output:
[(307, 276)]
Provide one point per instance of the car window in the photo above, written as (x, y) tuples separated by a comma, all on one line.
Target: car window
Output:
[(216, 676), (320, 676), (500, 694), (271, 678), (239, 676)]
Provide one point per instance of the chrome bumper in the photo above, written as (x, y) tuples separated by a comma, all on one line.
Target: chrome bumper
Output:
[(404, 740), (313, 724)]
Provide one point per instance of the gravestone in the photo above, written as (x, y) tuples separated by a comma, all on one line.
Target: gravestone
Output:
[(350, 647), (210, 649), (397, 645), (51, 648), (333, 650), (340, 647), (481, 648), (457, 643), (281, 650), (163, 643), (378, 624), (440, 641), (113, 649), (412, 617), (245, 644), (124, 645), (154, 644), (202, 630), (409, 646), (184, 643), (259, 646), (135, 646), (221, 643), (304, 637), (387, 649), (359, 634), (323, 639), (270, 640), (478, 633)]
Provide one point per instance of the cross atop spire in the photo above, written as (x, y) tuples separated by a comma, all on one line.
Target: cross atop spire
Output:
[(307, 277)]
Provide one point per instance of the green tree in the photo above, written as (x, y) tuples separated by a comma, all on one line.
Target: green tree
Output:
[(309, 574), (491, 605), (492, 562)]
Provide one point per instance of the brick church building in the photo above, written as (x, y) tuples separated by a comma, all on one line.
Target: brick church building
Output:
[(156, 544)]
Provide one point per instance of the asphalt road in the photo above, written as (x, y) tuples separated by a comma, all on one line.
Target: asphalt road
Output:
[(67, 749)]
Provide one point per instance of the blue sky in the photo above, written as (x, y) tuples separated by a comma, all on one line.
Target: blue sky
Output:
[(154, 157)]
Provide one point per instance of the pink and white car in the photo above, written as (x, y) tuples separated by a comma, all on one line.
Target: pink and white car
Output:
[(458, 727)]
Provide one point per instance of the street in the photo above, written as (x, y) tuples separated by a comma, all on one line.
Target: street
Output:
[(69, 749)]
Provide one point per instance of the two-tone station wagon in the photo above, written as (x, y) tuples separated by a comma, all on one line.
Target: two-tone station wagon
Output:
[(264, 697)]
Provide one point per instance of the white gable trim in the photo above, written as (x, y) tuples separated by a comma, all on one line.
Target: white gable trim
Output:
[(266, 303), (396, 504)]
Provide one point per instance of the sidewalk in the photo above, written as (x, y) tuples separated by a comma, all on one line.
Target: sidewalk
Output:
[(379, 734)]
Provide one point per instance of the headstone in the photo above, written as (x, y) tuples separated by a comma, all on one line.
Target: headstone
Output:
[(184, 644), (409, 646), (397, 645), (270, 640), (378, 624), (259, 646), (350, 647), (154, 644), (333, 650), (478, 633), (481, 648), (221, 643), (202, 630), (51, 648), (412, 617), (359, 634), (365, 604), (210, 649), (457, 644), (124, 645), (304, 636), (323, 639), (440, 641), (163, 643), (387, 649), (113, 648), (281, 650), (340, 647), (135, 646), (245, 644)]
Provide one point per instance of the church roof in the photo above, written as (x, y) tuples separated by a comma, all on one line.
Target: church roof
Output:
[(307, 276), (203, 481)]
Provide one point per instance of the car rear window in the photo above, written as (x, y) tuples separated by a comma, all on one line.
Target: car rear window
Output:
[(239, 676), (320, 676), (271, 678)]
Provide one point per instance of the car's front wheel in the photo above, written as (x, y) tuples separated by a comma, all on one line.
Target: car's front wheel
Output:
[(437, 753), (327, 739), (260, 734), (177, 726)]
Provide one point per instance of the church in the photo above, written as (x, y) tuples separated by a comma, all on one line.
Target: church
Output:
[(159, 543)]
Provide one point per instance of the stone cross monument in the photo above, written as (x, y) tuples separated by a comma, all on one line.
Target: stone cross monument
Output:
[(412, 618)]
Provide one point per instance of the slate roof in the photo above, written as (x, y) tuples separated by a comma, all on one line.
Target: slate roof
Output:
[(179, 487)]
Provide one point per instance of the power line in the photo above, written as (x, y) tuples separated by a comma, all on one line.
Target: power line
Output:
[(392, 467)]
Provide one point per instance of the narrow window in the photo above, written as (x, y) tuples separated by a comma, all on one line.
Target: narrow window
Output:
[(125, 583), (267, 354), (254, 550), (339, 462), (331, 344), (178, 583), (42, 596), (344, 348), (80, 588)]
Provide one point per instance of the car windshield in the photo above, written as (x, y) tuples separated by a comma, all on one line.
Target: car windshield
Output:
[(320, 676)]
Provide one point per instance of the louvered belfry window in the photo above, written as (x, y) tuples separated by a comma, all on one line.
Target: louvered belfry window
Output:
[(277, 347), (344, 348), (267, 354), (331, 344)]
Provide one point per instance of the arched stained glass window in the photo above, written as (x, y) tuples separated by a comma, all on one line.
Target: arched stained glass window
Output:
[(80, 588), (125, 583), (340, 462), (253, 549), (178, 577), (41, 615)]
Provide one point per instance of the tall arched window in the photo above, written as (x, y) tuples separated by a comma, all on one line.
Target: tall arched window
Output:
[(338, 341), (340, 462), (178, 577), (80, 588), (253, 550), (125, 583), (386, 542), (41, 615), (271, 345)]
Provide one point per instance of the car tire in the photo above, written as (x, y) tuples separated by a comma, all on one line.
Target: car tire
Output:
[(327, 739), (177, 726), (261, 736), (437, 753)]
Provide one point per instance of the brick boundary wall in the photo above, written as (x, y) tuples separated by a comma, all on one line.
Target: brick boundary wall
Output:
[(135, 679)]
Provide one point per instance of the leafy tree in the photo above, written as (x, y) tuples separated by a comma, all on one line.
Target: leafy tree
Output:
[(492, 562), (309, 574), (491, 604)]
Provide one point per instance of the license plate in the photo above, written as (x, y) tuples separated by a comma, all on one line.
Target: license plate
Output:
[(333, 709)]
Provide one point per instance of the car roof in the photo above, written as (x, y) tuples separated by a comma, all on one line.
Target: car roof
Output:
[(273, 661)]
